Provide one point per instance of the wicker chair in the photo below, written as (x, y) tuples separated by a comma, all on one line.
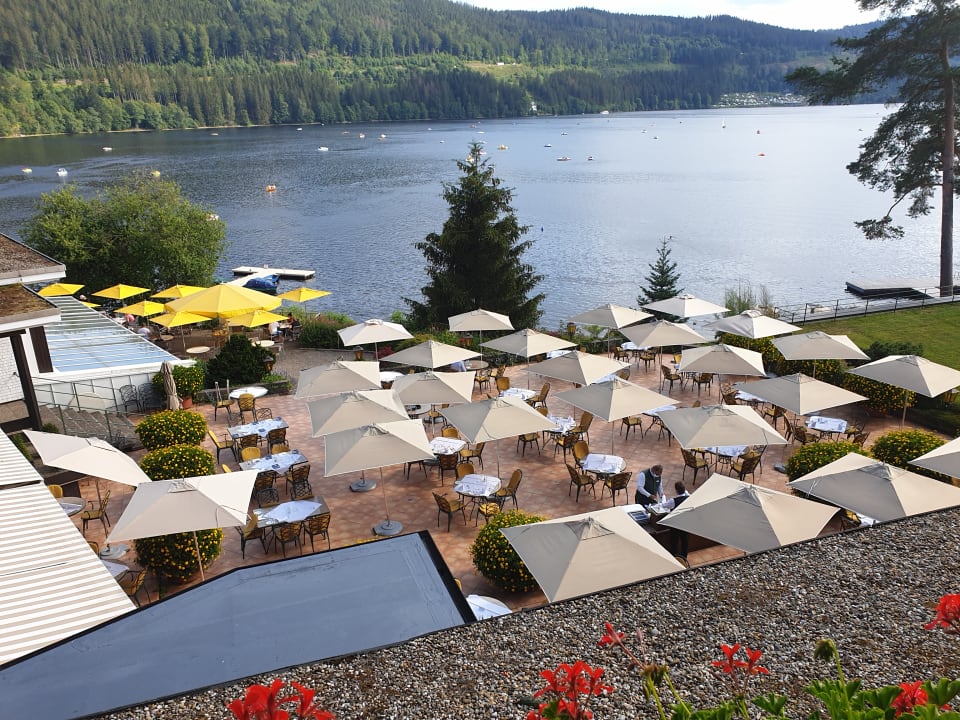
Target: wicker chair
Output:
[(448, 506), (247, 403), (251, 531), (581, 481), (97, 511), (510, 491), (288, 533), (745, 465), (448, 463), (616, 483), (317, 525), (474, 453), (632, 422), (580, 452), (298, 474), (670, 376), (488, 510), (464, 469), (131, 581), (703, 379), (694, 461)]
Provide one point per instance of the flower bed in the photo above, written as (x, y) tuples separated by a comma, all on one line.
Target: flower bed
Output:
[(171, 427), (495, 558)]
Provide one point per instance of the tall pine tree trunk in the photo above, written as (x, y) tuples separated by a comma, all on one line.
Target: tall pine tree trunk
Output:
[(949, 163)]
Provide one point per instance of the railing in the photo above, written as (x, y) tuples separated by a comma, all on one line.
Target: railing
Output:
[(852, 305)]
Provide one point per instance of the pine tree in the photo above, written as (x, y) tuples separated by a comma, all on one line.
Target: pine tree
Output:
[(476, 260), (662, 278)]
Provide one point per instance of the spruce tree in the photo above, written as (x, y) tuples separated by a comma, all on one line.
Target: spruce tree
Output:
[(476, 260), (662, 278)]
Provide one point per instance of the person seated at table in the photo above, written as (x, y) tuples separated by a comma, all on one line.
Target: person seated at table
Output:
[(274, 330), (649, 486), (144, 331), (291, 324), (681, 495), (458, 366)]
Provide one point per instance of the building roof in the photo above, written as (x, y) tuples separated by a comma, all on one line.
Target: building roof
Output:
[(21, 308), (22, 264)]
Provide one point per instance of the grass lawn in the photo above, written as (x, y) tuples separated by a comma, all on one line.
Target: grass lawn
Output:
[(937, 329)]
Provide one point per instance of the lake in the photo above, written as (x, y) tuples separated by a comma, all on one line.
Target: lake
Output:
[(754, 196)]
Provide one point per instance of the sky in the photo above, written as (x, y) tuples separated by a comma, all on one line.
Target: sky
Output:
[(797, 14)]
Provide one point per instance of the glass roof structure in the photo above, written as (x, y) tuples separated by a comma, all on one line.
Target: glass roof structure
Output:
[(85, 340)]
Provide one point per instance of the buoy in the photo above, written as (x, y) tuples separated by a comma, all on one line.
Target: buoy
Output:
[(271, 188)]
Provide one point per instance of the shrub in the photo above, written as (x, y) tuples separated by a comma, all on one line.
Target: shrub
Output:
[(321, 331), (187, 378), (811, 456), (880, 349), (239, 361), (898, 448), (50, 427), (495, 558), (881, 397), (171, 427), (175, 556)]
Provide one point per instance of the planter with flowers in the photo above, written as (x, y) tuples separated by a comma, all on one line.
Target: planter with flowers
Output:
[(172, 427), (882, 399), (495, 558), (898, 448), (188, 380)]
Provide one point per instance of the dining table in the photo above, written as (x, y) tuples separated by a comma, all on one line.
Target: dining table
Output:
[(256, 390), (259, 427), (279, 462), (446, 445), (749, 398), (476, 364), (725, 454), (72, 505), (827, 426), (602, 465), (522, 393), (291, 511), (477, 486), (115, 569)]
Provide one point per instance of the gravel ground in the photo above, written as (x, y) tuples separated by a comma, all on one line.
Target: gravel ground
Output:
[(870, 590)]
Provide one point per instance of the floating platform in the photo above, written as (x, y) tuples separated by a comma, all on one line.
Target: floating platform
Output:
[(897, 287), (284, 273)]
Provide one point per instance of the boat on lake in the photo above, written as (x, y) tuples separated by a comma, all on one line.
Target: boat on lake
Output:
[(62, 172), (323, 148), (562, 158), (264, 283), (271, 188)]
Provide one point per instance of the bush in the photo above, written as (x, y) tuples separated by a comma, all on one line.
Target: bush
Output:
[(171, 427), (188, 379), (177, 461), (880, 349), (881, 397), (321, 331), (898, 448), (239, 361), (495, 557), (812, 456)]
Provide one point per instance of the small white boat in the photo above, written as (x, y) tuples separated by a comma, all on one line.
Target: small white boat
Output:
[(382, 136), (323, 148), (26, 171), (562, 158), (501, 147), (299, 129), (62, 172), (107, 148), (214, 134), (548, 145), (361, 136)]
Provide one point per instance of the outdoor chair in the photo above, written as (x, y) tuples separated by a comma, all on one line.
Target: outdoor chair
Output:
[(670, 376), (301, 490), (288, 533), (267, 497), (703, 379), (147, 395), (131, 582), (250, 453), (482, 378), (94, 546), (540, 400), (745, 465), (696, 462), (474, 453), (802, 435), (220, 399), (316, 525), (298, 473), (233, 418), (221, 443), (582, 428), (450, 432), (860, 438), (97, 511), (448, 506), (532, 438), (565, 442), (463, 469), (503, 383), (730, 397), (580, 480), (773, 413), (510, 491), (55, 490), (277, 436), (251, 532), (623, 373), (263, 414), (128, 395), (633, 422), (225, 468), (580, 452), (620, 354), (647, 357), (245, 442), (448, 463), (849, 520), (246, 403), (616, 483), (421, 463), (277, 448), (487, 509)]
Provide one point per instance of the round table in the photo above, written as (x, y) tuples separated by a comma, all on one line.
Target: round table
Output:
[(198, 350), (476, 364), (72, 505), (254, 390), (264, 343)]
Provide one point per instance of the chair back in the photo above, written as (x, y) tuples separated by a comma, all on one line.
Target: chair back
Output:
[(449, 462), (450, 432), (279, 448), (277, 436), (690, 458), (580, 451), (263, 413), (264, 479), (301, 490), (267, 497), (443, 502), (515, 480), (465, 468), (225, 468), (288, 532), (55, 490), (246, 402), (234, 418), (585, 421), (251, 527), (503, 383), (249, 453), (544, 391), (623, 373), (669, 374), (248, 441), (619, 481), (317, 524), (299, 472)]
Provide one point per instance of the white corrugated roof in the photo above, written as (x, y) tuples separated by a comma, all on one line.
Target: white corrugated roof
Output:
[(51, 584)]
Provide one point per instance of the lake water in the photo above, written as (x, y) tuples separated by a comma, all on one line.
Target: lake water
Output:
[(758, 196)]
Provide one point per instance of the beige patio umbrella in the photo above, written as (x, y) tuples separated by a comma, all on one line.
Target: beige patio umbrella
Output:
[(496, 418), (121, 292), (434, 388), (614, 399), (177, 291), (590, 552), (799, 393), (752, 324), (376, 446), (748, 517), (58, 289), (431, 354), (876, 490), (818, 345), (339, 376), (477, 321), (527, 343), (373, 331), (144, 308), (719, 425), (912, 373), (662, 333), (685, 306), (224, 301), (611, 316), (186, 505), (577, 367), (723, 360), (178, 319), (944, 459)]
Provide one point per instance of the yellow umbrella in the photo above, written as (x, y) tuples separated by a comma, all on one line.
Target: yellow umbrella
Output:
[(178, 291), (121, 292), (225, 301), (90, 304), (303, 294), (144, 308), (176, 319), (58, 289), (256, 318)]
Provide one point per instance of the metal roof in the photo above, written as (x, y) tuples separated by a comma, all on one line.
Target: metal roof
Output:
[(85, 339), (249, 621)]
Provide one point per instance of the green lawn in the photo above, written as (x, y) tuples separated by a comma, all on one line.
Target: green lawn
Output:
[(937, 329)]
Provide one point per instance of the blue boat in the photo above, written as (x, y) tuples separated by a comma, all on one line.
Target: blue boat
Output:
[(264, 283)]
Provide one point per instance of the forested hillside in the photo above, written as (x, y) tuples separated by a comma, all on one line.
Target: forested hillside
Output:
[(93, 65)]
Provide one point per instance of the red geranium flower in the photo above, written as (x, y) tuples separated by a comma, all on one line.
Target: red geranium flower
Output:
[(948, 615), (730, 665), (911, 694)]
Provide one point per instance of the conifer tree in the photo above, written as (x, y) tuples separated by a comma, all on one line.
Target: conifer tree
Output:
[(476, 261), (662, 278)]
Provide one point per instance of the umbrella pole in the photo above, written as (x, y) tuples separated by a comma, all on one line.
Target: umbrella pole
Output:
[(903, 417), (362, 485), (387, 527), (196, 546)]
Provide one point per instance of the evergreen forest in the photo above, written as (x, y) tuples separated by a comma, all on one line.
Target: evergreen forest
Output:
[(99, 65)]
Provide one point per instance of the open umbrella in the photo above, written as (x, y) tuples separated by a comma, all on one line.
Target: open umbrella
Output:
[(178, 319), (255, 318), (303, 294), (121, 292), (723, 360), (752, 324), (338, 376), (168, 507), (800, 394), (662, 333), (718, 425), (376, 446), (818, 345), (748, 517), (224, 301), (527, 343), (876, 490), (434, 388), (144, 308), (944, 459), (494, 419), (431, 354), (611, 316), (58, 289), (373, 331), (477, 321), (912, 373), (684, 306), (177, 291), (614, 399), (589, 552), (577, 367)]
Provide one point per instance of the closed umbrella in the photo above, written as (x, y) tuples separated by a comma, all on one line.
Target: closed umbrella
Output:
[(58, 289), (477, 321), (752, 324), (719, 425), (177, 291), (611, 316), (168, 507), (684, 306), (431, 354), (748, 517), (589, 552), (800, 394), (578, 367), (818, 345), (224, 301), (944, 459), (912, 373), (338, 376), (121, 292), (875, 489), (170, 386), (376, 446), (373, 331)]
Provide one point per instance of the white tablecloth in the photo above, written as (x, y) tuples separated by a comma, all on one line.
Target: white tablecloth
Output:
[(564, 424), (115, 569), (261, 428), (557, 353), (827, 424), (522, 393), (655, 412), (292, 511), (446, 446), (603, 464), (728, 451), (280, 462), (486, 607), (476, 485), (254, 390)]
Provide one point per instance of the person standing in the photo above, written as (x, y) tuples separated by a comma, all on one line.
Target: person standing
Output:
[(650, 489)]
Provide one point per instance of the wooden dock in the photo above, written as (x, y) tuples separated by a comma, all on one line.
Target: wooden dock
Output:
[(897, 287), (246, 272)]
